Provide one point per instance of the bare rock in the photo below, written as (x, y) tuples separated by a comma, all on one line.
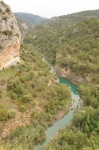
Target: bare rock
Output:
[(10, 37)]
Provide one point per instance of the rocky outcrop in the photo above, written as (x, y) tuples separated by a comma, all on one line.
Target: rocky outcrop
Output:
[(10, 37), (24, 28), (61, 72)]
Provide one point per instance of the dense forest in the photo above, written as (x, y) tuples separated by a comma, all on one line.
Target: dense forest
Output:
[(30, 98), (75, 47), (30, 101), (55, 33)]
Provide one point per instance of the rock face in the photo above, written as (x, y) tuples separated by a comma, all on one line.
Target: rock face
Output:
[(24, 28), (61, 72), (10, 37)]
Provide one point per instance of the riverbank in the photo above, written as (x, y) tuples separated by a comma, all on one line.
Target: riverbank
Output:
[(61, 123), (67, 74)]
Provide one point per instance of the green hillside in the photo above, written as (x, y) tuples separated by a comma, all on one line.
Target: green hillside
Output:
[(30, 101), (29, 18), (30, 98), (80, 49), (52, 34), (74, 45)]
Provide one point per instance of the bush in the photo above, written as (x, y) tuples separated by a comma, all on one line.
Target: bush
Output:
[(3, 3), (22, 108), (7, 9), (3, 113), (11, 114), (4, 18), (0, 10), (13, 96), (0, 46), (7, 32), (27, 98), (0, 93)]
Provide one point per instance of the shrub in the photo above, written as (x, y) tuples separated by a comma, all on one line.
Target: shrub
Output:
[(22, 108), (3, 113), (7, 9), (11, 114), (7, 32), (4, 18), (18, 89), (0, 46), (0, 93), (17, 35), (0, 10), (13, 96), (3, 3), (27, 98)]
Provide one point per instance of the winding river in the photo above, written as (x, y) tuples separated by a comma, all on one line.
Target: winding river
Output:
[(51, 131)]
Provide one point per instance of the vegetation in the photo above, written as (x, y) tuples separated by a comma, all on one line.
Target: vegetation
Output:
[(71, 42), (76, 48), (30, 19), (55, 34), (30, 88), (3, 3), (3, 113), (83, 133), (7, 9), (0, 46), (7, 32), (25, 137), (4, 17)]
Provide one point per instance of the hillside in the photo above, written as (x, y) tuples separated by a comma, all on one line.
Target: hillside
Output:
[(74, 51), (56, 40), (29, 18), (52, 33), (31, 99)]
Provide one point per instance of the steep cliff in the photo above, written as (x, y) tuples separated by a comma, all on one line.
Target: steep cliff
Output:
[(10, 37)]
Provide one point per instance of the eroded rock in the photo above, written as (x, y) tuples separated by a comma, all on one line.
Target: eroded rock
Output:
[(10, 37)]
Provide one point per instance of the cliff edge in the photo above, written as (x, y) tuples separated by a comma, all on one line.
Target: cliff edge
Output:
[(10, 37)]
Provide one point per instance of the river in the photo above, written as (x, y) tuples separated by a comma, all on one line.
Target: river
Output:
[(51, 131)]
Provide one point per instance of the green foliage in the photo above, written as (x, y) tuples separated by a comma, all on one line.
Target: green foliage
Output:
[(0, 46), (3, 3), (87, 120), (11, 113), (7, 32), (30, 19), (7, 9), (75, 47), (22, 108), (4, 17), (27, 98), (0, 10), (0, 93), (28, 89), (72, 139), (57, 36), (26, 137), (3, 113)]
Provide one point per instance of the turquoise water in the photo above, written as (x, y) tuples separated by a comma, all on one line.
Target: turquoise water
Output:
[(74, 87), (51, 131)]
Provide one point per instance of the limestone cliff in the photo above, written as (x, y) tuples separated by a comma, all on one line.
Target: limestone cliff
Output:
[(24, 28), (10, 37)]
